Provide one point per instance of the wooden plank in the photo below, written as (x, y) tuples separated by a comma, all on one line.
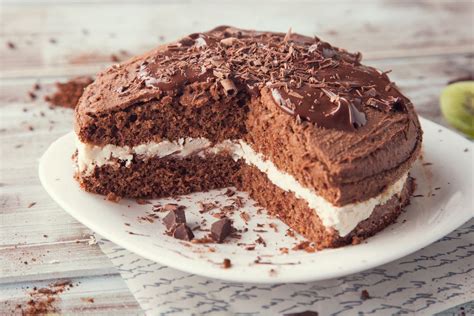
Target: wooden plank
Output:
[(89, 295), (52, 260), (85, 37)]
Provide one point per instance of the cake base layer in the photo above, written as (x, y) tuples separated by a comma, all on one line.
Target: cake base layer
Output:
[(296, 213), (164, 177)]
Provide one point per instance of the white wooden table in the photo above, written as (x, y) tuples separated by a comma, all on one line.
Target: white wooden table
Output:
[(425, 44)]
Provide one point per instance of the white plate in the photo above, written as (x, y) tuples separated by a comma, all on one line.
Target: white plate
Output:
[(446, 186)]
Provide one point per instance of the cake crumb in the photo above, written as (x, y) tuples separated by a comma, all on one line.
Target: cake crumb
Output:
[(112, 197), (68, 93), (274, 227), (364, 295), (356, 240), (229, 192), (203, 240), (87, 299), (226, 264), (11, 45), (142, 202), (45, 300), (290, 233)]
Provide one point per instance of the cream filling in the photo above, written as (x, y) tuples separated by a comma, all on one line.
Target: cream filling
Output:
[(341, 218)]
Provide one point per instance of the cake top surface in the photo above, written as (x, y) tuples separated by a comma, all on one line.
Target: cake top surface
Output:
[(306, 77)]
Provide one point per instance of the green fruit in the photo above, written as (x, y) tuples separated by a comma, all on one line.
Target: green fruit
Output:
[(457, 105)]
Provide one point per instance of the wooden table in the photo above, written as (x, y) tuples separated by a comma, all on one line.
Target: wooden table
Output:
[(425, 44)]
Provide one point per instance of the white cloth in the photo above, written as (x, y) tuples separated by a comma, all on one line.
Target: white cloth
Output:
[(431, 280)]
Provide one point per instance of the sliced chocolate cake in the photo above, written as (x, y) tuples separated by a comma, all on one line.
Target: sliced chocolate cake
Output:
[(320, 140)]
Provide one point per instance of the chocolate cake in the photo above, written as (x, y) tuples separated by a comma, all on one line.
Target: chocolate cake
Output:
[(320, 140)]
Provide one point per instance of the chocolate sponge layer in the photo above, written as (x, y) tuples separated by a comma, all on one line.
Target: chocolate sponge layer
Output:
[(154, 178)]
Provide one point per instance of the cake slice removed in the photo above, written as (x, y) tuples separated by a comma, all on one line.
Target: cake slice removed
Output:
[(320, 140)]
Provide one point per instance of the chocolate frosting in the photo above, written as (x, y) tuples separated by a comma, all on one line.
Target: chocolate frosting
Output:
[(308, 78)]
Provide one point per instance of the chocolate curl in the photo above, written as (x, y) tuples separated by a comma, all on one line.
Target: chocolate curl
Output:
[(288, 35), (229, 87), (229, 41)]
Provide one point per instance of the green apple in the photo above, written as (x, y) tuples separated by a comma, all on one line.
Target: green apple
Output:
[(457, 106)]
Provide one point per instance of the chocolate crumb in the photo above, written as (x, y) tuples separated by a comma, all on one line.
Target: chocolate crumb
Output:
[(364, 295), (226, 264), (32, 95), (183, 232), (11, 45), (31, 204), (221, 229), (261, 241), (245, 216), (114, 58), (87, 299), (174, 218)]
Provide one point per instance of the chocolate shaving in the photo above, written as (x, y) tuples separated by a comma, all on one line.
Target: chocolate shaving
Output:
[(229, 87), (307, 77)]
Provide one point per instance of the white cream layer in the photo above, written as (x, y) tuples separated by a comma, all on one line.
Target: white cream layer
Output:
[(342, 218)]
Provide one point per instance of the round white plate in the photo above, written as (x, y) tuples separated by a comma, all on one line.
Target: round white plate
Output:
[(444, 179)]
